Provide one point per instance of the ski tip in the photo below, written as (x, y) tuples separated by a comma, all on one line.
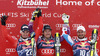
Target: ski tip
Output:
[(57, 35), (95, 31)]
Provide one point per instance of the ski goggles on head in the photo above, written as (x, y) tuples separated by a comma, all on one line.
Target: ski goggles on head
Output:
[(24, 28), (46, 27)]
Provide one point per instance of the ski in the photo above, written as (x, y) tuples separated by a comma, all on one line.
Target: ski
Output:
[(94, 42), (57, 44), (33, 43)]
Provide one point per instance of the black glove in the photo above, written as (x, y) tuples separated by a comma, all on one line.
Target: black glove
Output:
[(3, 20), (39, 13), (34, 14)]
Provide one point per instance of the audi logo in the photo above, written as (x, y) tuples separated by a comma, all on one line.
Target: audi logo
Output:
[(59, 25), (74, 38), (97, 38), (47, 51), (97, 50), (10, 50), (11, 25), (63, 50), (75, 26)]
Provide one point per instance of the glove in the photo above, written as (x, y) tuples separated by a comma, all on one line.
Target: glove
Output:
[(3, 20), (39, 13), (34, 14), (65, 18)]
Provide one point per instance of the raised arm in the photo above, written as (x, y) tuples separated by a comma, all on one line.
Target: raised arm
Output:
[(30, 25), (11, 39), (40, 25), (38, 31), (66, 30)]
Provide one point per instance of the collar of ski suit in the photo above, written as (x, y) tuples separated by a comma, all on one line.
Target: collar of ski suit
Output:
[(51, 38), (82, 40), (23, 39)]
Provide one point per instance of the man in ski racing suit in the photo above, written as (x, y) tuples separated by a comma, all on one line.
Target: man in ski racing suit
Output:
[(24, 43), (81, 46), (46, 42), (24, 46)]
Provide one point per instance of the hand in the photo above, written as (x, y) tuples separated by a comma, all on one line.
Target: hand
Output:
[(39, 13), (65, 18), (3, 20), (34, 14)]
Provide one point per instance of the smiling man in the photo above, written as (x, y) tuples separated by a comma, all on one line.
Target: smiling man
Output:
[(81, 46)]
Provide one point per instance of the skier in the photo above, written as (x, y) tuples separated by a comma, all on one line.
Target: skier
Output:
[(21, 44), (24, 46), (81, 47), (46, 42)]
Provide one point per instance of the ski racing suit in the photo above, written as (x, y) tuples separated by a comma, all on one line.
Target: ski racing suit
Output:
[(20, 44), (24, 45), (81, 47), (47, 47)]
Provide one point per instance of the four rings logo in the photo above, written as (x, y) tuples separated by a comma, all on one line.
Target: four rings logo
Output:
[(59, 25), (10, 50), (11, 25), (47, 51), (75, 26), (97, 38), (63, 50)]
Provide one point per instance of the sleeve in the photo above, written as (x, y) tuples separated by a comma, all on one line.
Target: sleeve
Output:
[(68, 39), (11, 39), (65, 30), (30, 25), (20, 51), (39, 28), (39, 43)]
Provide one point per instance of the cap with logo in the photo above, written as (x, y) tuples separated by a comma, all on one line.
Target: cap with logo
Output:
[(46, 27), (24, 27), (81, 28)]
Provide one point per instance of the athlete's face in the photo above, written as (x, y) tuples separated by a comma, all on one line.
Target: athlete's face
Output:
[(81, 34), (47, 33), (25, 34)]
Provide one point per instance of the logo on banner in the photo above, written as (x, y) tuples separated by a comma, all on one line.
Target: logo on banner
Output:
[(74, 38), (75, 26), (32, 3), (63, 50), (94, 26), (97, 38), (47, 51), (8, 50), (59, 25), (12, 25)]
